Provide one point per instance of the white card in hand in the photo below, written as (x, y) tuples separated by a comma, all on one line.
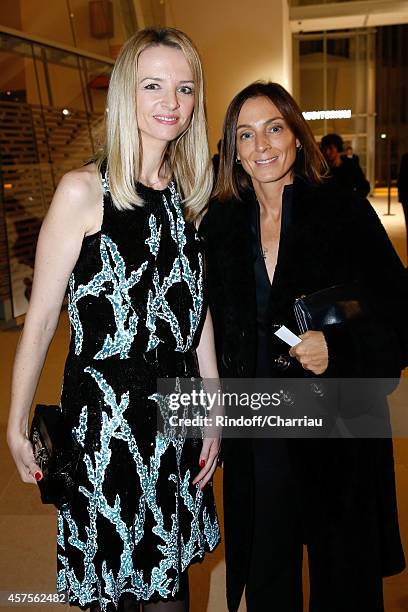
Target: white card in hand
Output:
[(287, 336)]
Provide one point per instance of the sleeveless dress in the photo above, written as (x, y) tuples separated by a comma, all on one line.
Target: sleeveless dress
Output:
[(136, 308)]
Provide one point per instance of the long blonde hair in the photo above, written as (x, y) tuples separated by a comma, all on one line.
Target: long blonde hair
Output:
[(187, 157)]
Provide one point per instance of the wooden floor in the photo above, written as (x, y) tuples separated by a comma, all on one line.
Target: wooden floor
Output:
[(28, 529)]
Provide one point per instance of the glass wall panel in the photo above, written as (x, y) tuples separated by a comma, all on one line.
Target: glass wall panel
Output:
[(66, 87), (391, 101), (334, 71), (97, 80), (50, 113)]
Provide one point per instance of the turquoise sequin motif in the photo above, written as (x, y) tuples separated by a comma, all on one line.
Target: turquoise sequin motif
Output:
[(157, 305), (136, 522), (114, 273)]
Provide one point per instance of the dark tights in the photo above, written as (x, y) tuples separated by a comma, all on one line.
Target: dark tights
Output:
[(180, 605), (129, 605)]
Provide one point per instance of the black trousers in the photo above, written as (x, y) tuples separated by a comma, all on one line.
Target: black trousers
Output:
[(275, 573)]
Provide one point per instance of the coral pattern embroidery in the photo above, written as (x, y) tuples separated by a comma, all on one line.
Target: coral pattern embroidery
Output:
[(135, 305)]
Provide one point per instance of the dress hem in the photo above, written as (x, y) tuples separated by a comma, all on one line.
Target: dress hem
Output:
[(196, 559)]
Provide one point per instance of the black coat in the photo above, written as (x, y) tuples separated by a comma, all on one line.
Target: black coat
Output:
[(347, 485)]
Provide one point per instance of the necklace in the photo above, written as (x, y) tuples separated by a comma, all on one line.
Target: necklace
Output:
[(264, 252)]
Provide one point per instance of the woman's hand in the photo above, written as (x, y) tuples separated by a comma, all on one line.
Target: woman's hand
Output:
[(22, 452), (208, 461), (312, 352)]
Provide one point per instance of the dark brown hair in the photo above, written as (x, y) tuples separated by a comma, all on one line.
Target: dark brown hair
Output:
[(332, 139), (232, 178)]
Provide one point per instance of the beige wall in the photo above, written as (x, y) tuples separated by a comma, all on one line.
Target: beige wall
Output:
[(240, 41), (46, 19), (49, 19), (150, 13), (10, 14)]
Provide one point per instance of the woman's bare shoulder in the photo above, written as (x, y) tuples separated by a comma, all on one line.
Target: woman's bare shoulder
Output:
[(80, 191), (82, 182)]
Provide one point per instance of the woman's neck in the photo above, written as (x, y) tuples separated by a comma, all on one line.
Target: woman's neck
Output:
[(153, 171), (269, 195)]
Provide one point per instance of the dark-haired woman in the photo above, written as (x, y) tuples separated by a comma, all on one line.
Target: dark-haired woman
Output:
[(274, 232)]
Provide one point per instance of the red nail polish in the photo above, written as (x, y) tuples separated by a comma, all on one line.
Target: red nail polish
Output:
[(37, 475), (202, 463)]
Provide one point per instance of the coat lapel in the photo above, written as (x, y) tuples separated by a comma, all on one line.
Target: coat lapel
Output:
[(292, 257)]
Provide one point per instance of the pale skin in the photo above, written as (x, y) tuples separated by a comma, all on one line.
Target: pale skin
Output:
[(165, 89), (266, 148)]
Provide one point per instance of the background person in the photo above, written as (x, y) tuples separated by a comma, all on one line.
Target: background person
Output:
[(349, 154), (346, 174)]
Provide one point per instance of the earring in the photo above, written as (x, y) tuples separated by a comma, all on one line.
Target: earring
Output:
[(299, 147), (237, 160)]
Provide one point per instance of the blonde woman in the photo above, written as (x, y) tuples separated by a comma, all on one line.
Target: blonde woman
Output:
[(121, 233)]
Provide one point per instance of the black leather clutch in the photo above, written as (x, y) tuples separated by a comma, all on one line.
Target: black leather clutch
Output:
[(57, 453), (335, 304)]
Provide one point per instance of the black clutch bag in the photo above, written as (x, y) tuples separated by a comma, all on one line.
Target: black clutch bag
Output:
[(57, 453), (336, 304)]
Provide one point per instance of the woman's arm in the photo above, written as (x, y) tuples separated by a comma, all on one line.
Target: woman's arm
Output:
[(207, 359), (208, 371), (377, 344), (212, 236), (74, 211)]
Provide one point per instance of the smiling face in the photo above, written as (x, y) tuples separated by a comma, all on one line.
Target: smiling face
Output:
[(165, 94), (265, 144)]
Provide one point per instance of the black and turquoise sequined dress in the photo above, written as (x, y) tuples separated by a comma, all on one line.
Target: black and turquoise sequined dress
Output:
[(136, 307)]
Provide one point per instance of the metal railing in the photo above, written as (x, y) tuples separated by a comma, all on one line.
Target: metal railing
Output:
[(41, 138)]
